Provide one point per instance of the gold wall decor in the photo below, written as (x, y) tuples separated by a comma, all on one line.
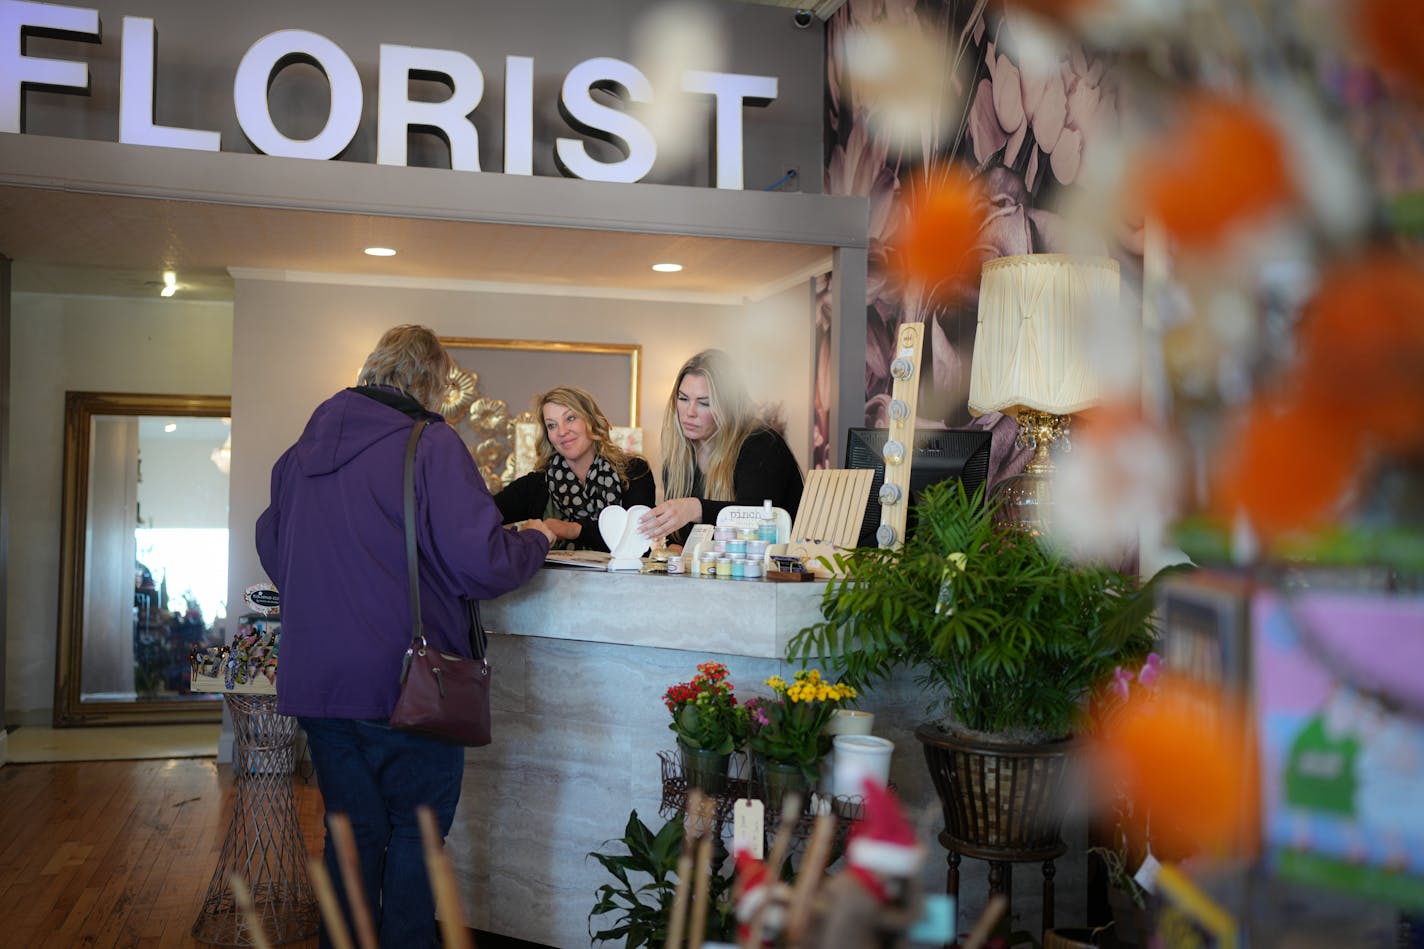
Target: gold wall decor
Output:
[(492, 392)]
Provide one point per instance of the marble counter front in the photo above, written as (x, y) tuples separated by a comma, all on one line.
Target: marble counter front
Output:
[(581, 660)]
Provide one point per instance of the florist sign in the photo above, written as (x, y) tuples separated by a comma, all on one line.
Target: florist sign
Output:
[(396, 113)]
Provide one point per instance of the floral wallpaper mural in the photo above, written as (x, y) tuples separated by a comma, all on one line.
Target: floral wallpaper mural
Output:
[(913, 84)]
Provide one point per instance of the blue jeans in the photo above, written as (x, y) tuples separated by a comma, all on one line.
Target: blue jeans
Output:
[(377, 777)]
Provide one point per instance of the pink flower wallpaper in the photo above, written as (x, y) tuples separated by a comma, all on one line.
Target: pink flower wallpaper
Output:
[(1023, 132)]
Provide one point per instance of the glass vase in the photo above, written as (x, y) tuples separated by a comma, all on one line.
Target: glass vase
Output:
[(703, 769)]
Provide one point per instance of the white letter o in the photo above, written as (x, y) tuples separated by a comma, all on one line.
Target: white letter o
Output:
[(249, 94)]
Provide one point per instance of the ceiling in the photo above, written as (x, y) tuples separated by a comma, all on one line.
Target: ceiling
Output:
[(72, 242)]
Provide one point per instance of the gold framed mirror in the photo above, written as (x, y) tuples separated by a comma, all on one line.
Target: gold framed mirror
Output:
[(143, 555), (491, 394)]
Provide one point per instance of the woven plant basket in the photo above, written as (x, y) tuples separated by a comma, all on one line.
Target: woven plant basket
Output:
[(1001, 801)]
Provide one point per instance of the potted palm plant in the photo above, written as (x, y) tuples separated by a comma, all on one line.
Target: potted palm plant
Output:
[(1007, 635)]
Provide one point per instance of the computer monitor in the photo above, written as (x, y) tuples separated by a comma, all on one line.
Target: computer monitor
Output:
[(939, 455)]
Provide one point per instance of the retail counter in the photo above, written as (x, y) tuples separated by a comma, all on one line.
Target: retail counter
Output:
[(581, 661)]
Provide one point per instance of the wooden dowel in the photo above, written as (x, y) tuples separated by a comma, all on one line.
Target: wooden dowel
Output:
[(454, 931), (243, 899), (326, 899), (701, 885), (349, 860), (808, 879), (987, 921), (780, 844), (677, 922)]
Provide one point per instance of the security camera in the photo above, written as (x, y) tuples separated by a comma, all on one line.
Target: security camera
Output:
[(803, 19)]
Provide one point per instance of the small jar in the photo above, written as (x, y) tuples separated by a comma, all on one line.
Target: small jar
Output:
[(756, 549), (724, 568), (739, 568), (746, 533), (737, 548), (753, 570), (719, 547), (676, 565), (724, 533)]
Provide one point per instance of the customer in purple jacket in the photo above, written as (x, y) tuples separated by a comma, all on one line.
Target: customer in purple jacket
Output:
[(333, 541)]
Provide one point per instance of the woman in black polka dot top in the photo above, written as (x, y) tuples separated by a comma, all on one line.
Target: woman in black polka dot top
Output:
[(580, 471)]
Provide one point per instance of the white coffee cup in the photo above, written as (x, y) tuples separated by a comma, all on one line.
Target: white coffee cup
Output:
[(858, 757)]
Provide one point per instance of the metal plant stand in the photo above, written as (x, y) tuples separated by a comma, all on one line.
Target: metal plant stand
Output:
[(1003, 804), (264, 839)]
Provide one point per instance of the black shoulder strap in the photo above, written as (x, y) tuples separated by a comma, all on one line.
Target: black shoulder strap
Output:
[(478, 641), (412, 556)]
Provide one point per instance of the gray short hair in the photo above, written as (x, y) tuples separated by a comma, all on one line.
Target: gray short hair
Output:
[(411, 359)]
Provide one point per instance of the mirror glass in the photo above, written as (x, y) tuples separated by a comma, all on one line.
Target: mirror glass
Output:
[(144, 546)]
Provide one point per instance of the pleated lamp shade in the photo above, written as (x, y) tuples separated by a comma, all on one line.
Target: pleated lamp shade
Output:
[(1028, 352)]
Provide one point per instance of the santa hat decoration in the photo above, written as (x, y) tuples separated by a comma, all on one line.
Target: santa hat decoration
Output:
[(883, 841), (751, 884)]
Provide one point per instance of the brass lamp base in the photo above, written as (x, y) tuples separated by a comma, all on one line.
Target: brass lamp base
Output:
[(1026, 500)]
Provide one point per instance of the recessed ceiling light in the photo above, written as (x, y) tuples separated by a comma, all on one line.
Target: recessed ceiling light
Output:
[(171, 427), (667, 268), (381, 251)]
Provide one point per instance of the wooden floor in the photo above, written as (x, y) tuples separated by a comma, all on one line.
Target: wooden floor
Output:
[(116, 853)]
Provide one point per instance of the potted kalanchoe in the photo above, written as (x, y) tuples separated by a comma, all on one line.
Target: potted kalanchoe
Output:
[(786, 731), (709, 725)]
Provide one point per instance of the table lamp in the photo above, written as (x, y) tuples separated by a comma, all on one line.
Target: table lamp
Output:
[(1030, 362)]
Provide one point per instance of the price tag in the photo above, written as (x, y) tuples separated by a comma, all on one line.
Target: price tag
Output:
[(748, 827), (1146, 875)]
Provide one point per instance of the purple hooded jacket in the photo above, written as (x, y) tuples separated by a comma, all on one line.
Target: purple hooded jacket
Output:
[(333, 541)]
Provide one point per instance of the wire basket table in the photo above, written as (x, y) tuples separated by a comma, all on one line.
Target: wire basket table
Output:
[(743, 782), (264, 839)]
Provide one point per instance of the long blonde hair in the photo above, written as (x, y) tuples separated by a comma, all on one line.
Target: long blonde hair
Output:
[(599, 431), (411, 359), (735, 417)]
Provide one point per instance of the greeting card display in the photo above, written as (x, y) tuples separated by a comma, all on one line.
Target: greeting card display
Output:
[(1342, 757)]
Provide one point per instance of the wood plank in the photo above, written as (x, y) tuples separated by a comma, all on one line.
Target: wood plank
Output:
[(117, 853)]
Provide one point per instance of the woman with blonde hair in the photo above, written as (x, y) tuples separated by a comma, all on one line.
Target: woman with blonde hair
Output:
[(579, 472), (717, 450)]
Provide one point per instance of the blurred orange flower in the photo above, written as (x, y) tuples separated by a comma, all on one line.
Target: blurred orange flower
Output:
[(1186, 757), (1393, 33), (1221, 165), (942, 211), (1289, 466), (1362, 341)]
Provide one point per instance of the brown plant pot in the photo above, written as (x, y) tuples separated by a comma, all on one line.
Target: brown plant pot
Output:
[(1001, 801)]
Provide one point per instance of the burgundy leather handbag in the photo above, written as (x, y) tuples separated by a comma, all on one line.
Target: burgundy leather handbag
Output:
[(441, 696)]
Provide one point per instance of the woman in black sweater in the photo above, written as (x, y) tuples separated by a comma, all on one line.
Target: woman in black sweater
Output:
[(579, 472), (717, 451)]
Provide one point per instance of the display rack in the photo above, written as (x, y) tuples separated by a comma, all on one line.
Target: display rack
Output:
[(741, 784), (264, 839)]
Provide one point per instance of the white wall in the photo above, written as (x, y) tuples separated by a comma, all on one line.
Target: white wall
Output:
[(295, 344), (98, 344)]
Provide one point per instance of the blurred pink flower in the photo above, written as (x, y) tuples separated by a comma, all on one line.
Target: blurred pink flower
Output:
[(1061, 109)]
